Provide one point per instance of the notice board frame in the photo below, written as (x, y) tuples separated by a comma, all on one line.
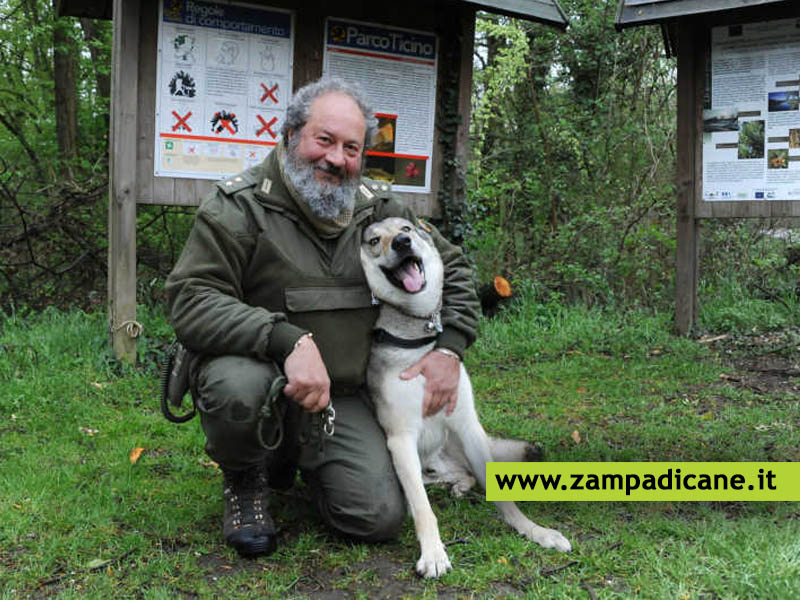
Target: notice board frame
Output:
[(693, 54)]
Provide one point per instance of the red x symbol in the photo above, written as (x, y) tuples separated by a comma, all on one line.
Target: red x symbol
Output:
[(266, 126), (181, 124), (268, 93), (226, 123)]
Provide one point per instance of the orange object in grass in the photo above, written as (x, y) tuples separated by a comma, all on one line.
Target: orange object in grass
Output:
[(502, 286)]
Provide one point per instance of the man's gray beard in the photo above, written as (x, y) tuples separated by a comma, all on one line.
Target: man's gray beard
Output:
[(326, 200)]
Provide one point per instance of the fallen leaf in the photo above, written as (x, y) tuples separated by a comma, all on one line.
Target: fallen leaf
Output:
[(99, 385), (708, 340), (97, 563), (88, 431), (576, 437), (582, 390), (135, 454), (502, 560)]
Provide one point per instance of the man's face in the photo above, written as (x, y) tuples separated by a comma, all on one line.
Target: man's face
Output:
[(333, 138), (323, 159)]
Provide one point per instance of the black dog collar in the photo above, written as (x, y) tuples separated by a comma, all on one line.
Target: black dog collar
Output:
[(381, 336)]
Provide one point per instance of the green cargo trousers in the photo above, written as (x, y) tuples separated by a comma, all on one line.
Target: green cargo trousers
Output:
[(350, 473)]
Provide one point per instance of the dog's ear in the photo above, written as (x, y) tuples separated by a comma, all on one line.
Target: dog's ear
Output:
[(423, 228)]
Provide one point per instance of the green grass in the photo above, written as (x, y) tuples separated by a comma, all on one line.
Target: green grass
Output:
[(79, 519)]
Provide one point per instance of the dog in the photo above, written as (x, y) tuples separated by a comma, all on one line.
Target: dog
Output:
[(405, 274)]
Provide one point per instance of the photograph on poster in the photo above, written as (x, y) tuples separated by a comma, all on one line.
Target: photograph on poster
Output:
[(751, 140), (794, 138), (725, 119), (783, 101), (384, 139), (778, 159)]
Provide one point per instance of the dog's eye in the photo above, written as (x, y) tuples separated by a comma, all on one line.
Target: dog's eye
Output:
[(374, 241), (405, 228)]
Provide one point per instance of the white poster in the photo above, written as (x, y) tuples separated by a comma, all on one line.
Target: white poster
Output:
[(224, 78), (751, 133), (397, 69)]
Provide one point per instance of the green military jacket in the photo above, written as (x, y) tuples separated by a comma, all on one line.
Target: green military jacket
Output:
[(254, 276)]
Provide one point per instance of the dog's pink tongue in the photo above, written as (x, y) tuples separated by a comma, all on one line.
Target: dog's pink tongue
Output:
[(411, 278)]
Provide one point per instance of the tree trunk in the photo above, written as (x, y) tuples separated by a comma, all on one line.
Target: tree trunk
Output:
[(93, 34), (66, 96)]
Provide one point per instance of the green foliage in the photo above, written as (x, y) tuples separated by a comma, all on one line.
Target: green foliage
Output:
[(572, 165), (52, 204), (751, 278)]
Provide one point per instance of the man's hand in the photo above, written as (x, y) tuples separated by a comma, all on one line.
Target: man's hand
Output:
[(441, 373), (309, 384)]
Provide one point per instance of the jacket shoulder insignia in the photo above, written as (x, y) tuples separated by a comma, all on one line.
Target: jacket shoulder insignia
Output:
[(365, 191), (235, 184), (424, 225), (374, 187)]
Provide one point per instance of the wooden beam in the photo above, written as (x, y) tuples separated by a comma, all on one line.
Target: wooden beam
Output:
[(690, 84), (123, 327)]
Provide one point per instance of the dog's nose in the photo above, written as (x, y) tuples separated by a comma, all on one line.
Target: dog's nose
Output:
[(401, 243)]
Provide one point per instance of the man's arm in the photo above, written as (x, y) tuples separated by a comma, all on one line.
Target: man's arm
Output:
[(205, 293)]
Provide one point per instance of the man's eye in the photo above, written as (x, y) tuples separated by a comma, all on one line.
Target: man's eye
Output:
[(374, 241)]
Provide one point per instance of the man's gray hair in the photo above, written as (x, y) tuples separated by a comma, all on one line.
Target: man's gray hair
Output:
[(297, 113)]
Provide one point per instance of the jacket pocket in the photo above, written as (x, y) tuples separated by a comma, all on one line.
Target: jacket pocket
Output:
[(318, 298)]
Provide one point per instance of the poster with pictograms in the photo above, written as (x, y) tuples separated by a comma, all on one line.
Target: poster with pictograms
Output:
[(397, 69), (224, 78)]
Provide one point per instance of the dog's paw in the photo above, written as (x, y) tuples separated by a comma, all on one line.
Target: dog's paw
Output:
[(550, 538), (462, 486), (434, 563)]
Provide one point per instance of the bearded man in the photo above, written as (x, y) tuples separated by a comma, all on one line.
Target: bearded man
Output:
[(270, 299)]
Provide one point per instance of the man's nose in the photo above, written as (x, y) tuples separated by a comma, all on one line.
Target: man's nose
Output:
[(335, 155)]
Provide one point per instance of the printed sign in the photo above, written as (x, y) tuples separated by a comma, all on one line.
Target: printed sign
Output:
[(397, 69), (224, 77), (751, 130)]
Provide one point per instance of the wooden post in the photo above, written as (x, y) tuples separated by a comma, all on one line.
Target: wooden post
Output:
[(123, 327), (689, 99)]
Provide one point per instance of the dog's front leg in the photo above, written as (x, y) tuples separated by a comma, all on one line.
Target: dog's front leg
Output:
[(433, 560)]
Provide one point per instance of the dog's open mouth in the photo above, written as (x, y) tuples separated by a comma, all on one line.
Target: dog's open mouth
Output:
[(408, 276)]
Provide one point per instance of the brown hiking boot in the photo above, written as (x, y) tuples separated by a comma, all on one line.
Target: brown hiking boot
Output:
[(247, 525)]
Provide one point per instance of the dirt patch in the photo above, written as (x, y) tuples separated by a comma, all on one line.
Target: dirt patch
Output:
[(764, 363)]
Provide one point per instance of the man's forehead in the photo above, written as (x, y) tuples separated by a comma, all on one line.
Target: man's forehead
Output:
[(334, 101)]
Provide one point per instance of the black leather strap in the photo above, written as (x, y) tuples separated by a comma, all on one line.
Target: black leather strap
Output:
[(381, 336)]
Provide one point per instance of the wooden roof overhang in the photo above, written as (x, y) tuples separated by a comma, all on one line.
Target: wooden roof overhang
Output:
[(542, 11), (668, 13)]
